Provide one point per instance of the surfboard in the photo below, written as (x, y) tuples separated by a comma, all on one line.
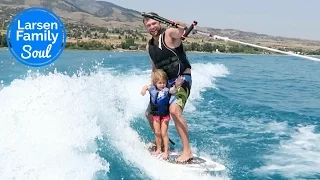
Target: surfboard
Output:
[(198, 163)]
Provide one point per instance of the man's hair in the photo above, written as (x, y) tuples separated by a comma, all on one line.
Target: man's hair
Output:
[(158, 75), (146, 18)]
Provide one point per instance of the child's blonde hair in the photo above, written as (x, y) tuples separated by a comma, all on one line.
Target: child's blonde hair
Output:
[(158, 75)]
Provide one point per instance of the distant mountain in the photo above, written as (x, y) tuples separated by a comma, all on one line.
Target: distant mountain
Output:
[(106, 14), (98, 13), (259, 38)]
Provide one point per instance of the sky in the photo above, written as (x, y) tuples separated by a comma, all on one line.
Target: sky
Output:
[(287, 18)]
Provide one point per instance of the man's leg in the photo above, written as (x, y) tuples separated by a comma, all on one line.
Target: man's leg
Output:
[(177, 104), (182, 128), (149, 117)]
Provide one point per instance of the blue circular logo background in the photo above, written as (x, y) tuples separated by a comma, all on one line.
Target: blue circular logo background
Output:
[(36, 36)]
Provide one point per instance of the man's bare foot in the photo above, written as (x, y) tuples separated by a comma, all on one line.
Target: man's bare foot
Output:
[(165, 155), (184, 158)]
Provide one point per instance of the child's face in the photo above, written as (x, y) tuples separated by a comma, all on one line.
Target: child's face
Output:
[(161, 84)]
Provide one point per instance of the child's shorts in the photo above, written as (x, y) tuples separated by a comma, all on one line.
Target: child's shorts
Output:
[(164, 118)]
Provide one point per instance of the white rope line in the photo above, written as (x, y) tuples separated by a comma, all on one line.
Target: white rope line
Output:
[(257, 46)]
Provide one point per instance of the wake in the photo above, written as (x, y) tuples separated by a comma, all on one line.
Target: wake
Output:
[(50, 123)]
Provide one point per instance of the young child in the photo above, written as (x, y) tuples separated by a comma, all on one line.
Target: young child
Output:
[(159, 100)]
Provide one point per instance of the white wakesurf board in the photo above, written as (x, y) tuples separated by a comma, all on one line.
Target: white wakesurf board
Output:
[(197, 163)]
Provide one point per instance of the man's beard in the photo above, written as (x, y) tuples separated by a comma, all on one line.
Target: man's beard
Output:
[(156, 32)]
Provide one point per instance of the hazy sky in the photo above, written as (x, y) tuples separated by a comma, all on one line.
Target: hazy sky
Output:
[(288, 18)]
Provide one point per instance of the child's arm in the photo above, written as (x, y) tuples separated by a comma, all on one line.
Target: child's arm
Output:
[(144, 89), (179, 81), (173, 90)]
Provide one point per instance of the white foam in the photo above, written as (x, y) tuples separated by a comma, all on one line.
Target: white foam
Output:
[(204, 76), (49, 124), (47, 130), (297, 157), (128, 141)]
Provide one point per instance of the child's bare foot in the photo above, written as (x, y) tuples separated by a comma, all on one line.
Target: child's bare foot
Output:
[(156, 153), (165, 155)]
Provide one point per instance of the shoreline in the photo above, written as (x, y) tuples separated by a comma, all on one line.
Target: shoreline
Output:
[(187, 52), (137, 51)]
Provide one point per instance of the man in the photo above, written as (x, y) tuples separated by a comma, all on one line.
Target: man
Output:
[(166, 52)]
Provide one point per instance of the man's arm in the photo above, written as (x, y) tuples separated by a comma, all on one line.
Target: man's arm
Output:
[(153, 67), (176, 33)]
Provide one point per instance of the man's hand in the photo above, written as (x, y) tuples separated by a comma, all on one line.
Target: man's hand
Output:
[(181, 25), (177, 32)]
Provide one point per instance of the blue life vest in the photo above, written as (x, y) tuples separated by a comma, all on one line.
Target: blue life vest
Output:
[(159, 101)]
